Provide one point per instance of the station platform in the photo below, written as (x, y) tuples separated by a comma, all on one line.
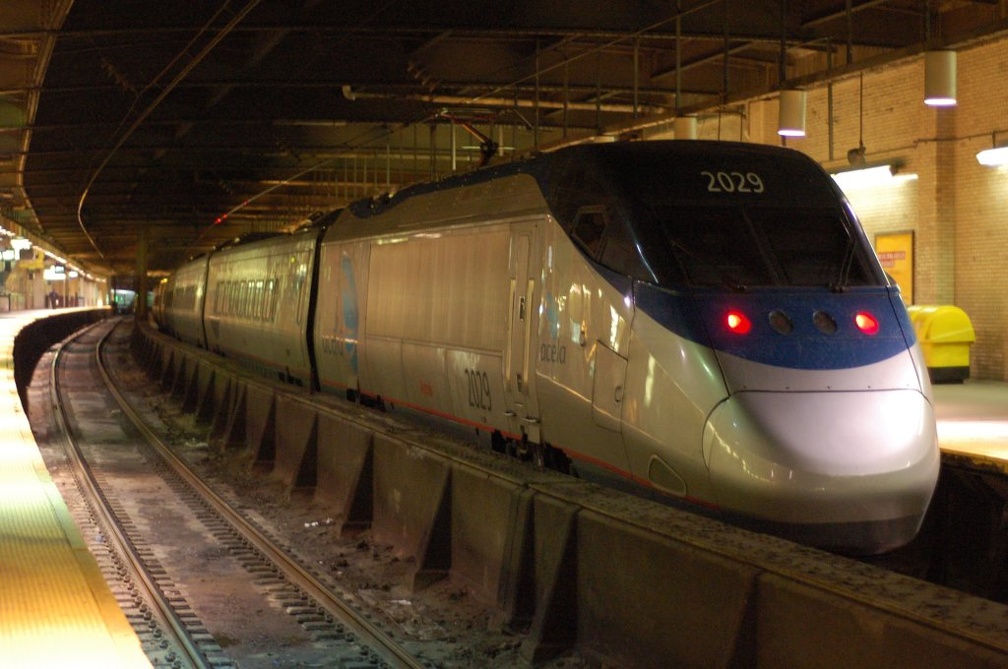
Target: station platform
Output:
[(973, 423), (55, 608)]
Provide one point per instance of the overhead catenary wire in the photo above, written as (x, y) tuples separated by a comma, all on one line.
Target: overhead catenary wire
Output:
[(236, 19)]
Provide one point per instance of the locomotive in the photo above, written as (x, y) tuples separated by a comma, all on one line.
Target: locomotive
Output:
[(704, 322)]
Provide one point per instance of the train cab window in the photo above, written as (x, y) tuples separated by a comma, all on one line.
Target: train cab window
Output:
[(739, 247), (589, 227), (813, 247), (581, 188), (711, 246), (607, 240)]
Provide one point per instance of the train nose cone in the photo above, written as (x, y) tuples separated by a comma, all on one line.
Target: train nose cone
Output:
[(851, 471)]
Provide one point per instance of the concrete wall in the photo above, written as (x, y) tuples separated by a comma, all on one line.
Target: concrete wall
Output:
[(35, 338), (571, 564)]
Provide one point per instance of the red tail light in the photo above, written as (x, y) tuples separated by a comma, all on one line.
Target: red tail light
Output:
[(867, 323), (737, 322)]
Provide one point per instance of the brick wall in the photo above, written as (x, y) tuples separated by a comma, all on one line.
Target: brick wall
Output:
[(956, 208)]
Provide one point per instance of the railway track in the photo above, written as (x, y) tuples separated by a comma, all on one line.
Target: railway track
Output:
[(118, 474), (299, 601)]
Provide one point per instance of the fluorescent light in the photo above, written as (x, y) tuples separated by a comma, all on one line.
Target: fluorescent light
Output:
[(993, 157), (873, 176), (866, 176), (940, 102)]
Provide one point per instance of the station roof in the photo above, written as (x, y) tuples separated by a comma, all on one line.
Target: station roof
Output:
[(189, 122)]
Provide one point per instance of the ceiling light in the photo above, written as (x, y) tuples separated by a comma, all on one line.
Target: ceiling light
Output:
[(864, 176), (871, 175), (996, 157), (685, 127), (940, 78), (791, 122)]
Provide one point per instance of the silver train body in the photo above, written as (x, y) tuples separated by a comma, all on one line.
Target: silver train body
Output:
[(705, 322)]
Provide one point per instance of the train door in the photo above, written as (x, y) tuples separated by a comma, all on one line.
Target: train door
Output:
[(520, 403), (338, 321), (607, 388)]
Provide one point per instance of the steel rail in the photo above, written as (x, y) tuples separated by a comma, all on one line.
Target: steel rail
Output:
[(114, 531), (394, 654)]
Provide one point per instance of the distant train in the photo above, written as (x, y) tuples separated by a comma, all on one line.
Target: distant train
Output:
[(122, 300), (703, 320)]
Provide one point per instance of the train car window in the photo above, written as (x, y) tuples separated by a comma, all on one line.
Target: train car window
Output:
[(247, 298), (271, 296), (255, 305), (224, 290), (188, 298)]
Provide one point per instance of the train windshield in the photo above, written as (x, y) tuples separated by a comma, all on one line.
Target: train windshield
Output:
[(710, 214), (739, 247)]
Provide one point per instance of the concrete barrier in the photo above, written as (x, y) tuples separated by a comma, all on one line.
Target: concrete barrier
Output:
[(580, 566), (296, 460), (634, 588), (798, 624), (37, 336), (345, 471)]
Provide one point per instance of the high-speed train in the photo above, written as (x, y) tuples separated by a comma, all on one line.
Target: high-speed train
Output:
[(703, 321)]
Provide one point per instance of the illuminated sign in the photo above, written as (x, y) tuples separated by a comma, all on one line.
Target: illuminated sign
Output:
[(896, 253)]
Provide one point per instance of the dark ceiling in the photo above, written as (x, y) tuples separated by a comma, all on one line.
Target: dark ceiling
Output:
[(177, 124)]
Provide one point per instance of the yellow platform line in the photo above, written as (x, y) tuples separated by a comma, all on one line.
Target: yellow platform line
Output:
[(55, 608)]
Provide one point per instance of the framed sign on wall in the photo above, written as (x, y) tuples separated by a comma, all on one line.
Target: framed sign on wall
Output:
[(896, 252)]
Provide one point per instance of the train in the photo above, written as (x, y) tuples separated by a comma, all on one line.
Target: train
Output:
[(701, 322)]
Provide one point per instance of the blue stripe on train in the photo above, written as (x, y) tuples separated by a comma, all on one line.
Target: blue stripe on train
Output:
[(699, 316)]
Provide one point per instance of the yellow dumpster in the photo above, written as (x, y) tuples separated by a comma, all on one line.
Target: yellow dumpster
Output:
[(945, 334)]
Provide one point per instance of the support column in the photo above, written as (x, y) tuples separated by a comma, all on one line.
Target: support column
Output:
[(141, 273), (935, 281)]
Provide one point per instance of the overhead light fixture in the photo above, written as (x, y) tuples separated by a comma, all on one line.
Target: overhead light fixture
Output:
[(856, 156), (870, 175), (863, 176), (791, 121), (685, 127), (940, 78), (996, 157)]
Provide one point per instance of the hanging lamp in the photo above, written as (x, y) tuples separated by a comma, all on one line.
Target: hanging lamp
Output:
[(685, 127), (791, 122), (940, 78)]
